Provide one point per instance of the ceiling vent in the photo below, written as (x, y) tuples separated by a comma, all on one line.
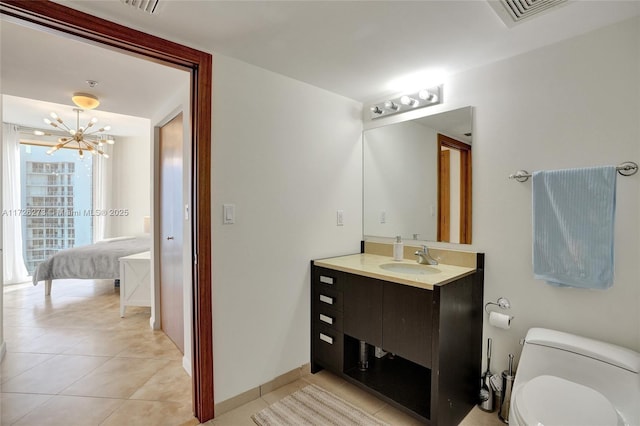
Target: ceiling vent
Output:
[(149, 6), (513, 12)]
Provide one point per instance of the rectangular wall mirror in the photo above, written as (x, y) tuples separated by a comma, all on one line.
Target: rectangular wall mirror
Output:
[(417, 178)]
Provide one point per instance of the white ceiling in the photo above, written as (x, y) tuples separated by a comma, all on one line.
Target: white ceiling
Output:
[(352, 48), (40, 66)]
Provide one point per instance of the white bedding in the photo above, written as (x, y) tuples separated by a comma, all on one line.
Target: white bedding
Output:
[(93, 261)]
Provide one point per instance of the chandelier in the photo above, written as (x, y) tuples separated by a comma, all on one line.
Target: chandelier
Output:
[(81, 138)]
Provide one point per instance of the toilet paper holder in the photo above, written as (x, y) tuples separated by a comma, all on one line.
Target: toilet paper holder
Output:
[(502, 302)]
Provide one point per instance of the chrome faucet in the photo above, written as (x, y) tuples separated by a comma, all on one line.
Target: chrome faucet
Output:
[(424, 258)]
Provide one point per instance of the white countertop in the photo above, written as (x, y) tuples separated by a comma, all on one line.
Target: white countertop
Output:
[(368, 265)]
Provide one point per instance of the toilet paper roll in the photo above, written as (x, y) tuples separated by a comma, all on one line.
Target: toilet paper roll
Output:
[(499, 320)]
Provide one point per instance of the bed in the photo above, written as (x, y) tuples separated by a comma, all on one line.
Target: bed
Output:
[(93, 261)]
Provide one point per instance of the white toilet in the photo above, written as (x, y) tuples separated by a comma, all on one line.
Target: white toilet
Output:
[(568, 380)]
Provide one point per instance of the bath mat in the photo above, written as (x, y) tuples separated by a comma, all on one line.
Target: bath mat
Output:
[(312, 405)]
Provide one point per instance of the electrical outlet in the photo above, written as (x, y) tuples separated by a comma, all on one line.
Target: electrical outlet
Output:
[(340, 218), (383, 217)]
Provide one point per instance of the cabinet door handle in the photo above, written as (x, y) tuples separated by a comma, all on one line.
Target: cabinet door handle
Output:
[(326, 299), (326, 318), (326, 338), (326, 280)]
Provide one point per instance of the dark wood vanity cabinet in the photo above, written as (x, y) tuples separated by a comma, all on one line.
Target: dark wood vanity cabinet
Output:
[(406, 322), (432, 340), (363, 318)]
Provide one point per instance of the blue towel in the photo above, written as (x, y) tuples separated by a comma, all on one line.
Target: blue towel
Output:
[(573, 221)]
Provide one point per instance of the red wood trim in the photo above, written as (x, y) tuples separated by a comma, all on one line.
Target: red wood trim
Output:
[(453, 143), (55, 17)]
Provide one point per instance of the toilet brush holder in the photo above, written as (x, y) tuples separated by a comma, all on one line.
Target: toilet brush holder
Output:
[(507, 386), (363, 356), (508, 377)]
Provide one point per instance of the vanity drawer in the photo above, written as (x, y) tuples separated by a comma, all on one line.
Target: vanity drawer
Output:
[(327, 317), (328, 278), (328, 345), (327, 298)]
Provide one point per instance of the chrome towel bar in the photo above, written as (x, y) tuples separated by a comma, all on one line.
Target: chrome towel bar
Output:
[(628, 168)]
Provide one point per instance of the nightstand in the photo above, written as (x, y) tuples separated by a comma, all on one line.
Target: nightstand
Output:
[(135, 283)]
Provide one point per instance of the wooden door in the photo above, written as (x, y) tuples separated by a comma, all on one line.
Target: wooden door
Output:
[(171, 286)]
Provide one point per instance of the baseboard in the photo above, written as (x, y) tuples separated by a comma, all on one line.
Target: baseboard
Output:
[(186, 364), (255, 393), (3, 350)]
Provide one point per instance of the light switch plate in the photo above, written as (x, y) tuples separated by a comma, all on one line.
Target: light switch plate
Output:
[(229, 214), (340, 218)]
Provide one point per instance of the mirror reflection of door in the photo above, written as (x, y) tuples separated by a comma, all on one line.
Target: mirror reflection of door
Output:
[(454, 190)]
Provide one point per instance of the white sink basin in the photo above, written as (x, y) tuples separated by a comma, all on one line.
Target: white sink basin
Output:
[(414, 269)]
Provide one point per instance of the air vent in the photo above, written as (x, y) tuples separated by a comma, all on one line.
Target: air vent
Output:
[(515, 11), (149, 6)]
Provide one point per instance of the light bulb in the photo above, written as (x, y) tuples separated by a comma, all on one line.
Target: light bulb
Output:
[(106, 128), (427, 96), (391, 105), (80, 154), (376, 110), (53, 115), (105, 155), (94, 120), (73, 132), (46, 120), (110, 141), (38, 132), (406, 100)]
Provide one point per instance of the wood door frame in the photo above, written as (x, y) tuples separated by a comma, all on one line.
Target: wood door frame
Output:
[(465, 184), (49, 16)]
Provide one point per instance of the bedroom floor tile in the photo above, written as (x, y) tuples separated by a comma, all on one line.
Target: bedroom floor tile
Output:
[(152, 413), (53, 375), (61, 366), (13, 406), (52, 341), (16, 363), (70, 411), (116, 378), (104, 343), (168, 384)]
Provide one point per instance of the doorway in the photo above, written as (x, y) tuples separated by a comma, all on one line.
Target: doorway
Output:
[(49, 16), (454, 190)]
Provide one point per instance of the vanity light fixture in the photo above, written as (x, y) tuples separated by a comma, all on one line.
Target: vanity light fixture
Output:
[(407, 102)]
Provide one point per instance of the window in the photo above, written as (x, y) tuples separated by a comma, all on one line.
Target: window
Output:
[(57, 199)]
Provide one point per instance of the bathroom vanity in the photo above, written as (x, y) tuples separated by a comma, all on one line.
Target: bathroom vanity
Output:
[(422, 326)]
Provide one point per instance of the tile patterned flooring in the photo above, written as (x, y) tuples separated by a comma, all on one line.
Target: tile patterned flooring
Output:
[(71, 360)]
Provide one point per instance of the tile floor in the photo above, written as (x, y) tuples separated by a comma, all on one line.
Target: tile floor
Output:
[(71, 360)]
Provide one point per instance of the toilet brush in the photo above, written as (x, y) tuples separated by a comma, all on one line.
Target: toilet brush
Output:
[(486, 391)]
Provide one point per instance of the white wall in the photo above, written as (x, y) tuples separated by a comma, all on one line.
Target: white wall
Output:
[(131, 184), (288, 155), (2, 342), (454, 196), (572, 104)]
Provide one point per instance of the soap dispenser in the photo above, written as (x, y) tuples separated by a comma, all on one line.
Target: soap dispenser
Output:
[(398, 249)]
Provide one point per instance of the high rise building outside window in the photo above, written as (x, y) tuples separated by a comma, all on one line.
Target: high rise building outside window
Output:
[(57, 200)]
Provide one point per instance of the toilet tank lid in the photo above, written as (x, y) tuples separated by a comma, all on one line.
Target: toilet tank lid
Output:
[(605, 352)]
